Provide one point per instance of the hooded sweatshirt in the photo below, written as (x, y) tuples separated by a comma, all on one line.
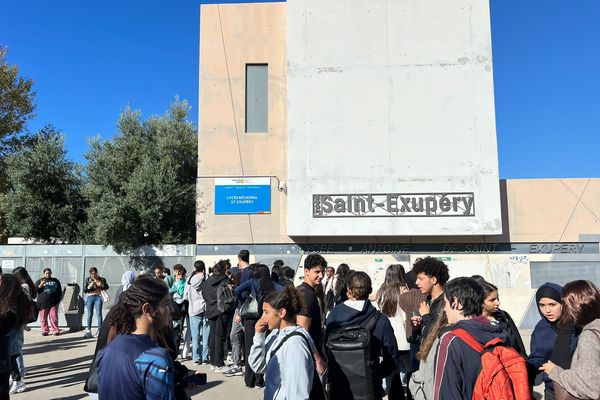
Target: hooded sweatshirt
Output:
[(354, 313), (545, 336), (193, 294), (457, 364), (209, 294)]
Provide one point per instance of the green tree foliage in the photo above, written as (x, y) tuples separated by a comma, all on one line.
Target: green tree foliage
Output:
[(44, 201), (141, 184), (16, 107)]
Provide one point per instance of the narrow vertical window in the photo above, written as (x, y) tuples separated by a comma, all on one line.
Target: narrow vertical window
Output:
[(257, 96)]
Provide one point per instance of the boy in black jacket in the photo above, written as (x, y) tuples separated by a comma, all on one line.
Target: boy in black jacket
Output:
[(355, 311)]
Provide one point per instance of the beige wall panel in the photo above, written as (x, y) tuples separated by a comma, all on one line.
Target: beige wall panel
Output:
[(233, 35), (553, 210)]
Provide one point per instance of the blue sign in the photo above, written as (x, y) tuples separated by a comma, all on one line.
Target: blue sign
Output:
[(243, 196)]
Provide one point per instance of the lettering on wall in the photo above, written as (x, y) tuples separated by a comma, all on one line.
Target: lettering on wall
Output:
[(394, 205)]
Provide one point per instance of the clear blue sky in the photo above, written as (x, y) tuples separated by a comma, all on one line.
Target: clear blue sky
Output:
[(89, 59)]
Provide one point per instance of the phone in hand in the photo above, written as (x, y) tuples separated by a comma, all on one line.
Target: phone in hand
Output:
[(195, 379)]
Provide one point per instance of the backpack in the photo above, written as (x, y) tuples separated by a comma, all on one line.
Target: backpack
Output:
[(503, 373), (226, 301), (352, 362)]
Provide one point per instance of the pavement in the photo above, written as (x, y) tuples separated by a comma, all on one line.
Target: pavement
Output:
[(57, 367)]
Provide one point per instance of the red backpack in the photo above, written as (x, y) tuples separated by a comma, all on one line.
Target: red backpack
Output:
[(503, 373)]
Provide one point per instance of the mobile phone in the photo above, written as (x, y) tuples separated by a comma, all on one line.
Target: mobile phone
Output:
[(195, 379), (416, 314)]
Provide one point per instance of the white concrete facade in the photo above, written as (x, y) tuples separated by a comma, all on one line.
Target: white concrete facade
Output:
[(391, 97)]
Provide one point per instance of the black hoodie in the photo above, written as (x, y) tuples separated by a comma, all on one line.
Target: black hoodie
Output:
[(209, 293)]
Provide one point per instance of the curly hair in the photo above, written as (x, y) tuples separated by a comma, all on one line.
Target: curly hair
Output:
[(145, 289), (433, 268), (14, 300), (289, 299)]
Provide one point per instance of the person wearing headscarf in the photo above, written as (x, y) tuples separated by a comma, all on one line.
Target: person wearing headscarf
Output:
[(126, 281), (550, 340)]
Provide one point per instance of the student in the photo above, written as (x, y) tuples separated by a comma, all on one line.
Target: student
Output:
[(432, 275), (48, 299), (15, 311), (285, 355), (457, 364), (133, 365), (126, 280), (581, 308), (260, 286), (310, 316), (421, 381), (197, 307), (94, 284), (29, 289), (216, 319), (492, 311), (358, 310), (551, 340), (388, 300)]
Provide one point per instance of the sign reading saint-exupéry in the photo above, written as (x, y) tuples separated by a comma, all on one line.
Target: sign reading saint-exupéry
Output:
[(242, 195), (394, 205)]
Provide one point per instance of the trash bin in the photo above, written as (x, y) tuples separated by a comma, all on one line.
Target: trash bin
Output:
[(73, 306)]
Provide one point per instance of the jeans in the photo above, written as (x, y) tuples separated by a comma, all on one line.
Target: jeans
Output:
[(200, 332), (43, 317), (94, 303), (236, 336)]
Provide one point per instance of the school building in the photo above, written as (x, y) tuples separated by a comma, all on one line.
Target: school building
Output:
[(366, 131)]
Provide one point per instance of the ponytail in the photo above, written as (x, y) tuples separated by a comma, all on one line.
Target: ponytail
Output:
[(289, 299)]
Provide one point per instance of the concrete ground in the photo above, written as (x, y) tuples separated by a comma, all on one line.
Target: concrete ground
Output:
[(57, 368)]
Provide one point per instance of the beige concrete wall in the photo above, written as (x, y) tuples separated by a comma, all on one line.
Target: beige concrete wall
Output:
[(553, 210), (231, 36)]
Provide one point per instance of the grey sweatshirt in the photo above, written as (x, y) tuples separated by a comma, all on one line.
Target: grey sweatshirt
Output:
[(581, 380), (192, 293)]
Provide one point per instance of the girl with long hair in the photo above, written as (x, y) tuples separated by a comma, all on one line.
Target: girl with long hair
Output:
[(259, 287), (581, 307), (422, 381), (15, 312), (134, 365), (496, 316), (388, 300), (29, 289), (285, 355)]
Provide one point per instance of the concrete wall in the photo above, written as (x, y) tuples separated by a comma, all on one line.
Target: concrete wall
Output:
[(232, 36), (389, 96)]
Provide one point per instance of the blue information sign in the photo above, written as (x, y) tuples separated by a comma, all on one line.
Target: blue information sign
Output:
[(243, 196)]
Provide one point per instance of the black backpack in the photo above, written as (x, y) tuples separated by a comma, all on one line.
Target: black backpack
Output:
[(226, 301), (352, 362)]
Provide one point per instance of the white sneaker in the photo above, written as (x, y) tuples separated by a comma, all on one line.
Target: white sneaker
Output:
[(220, 369), (88, 334), (17, 387)]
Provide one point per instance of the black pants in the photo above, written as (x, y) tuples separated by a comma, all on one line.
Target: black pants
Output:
[(4, 387), (396, 391), (216, 340), (251, 379)]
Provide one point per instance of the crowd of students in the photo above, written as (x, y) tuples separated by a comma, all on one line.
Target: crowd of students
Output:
[(420, 335)]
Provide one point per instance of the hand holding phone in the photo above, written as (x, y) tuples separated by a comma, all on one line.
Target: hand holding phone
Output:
[(195, 379)]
